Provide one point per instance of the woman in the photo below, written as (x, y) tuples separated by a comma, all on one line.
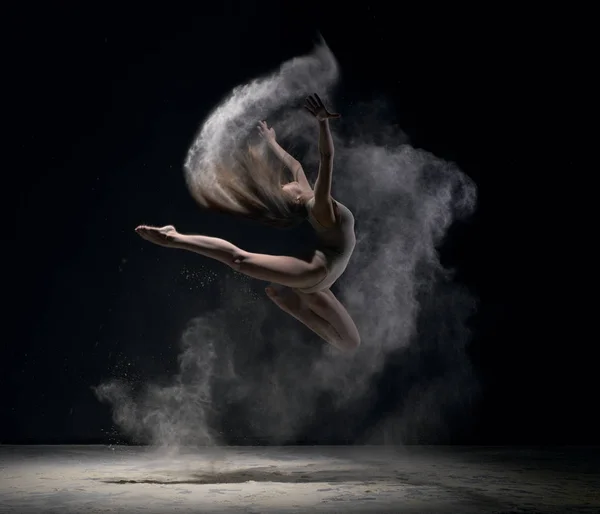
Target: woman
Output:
[(299, 287)]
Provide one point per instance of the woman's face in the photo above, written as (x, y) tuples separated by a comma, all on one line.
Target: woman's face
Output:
[(294, 190)]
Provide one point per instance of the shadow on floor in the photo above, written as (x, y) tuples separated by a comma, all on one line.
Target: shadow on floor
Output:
[(264, 475)]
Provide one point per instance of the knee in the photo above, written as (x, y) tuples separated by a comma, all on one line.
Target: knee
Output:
[(346, 344), (345, 340), (351, 343)]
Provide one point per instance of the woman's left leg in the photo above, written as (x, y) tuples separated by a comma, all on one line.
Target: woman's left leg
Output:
[(281, 269)]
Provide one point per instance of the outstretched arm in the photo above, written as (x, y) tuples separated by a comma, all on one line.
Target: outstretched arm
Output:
[(323, 206), (268, 134)]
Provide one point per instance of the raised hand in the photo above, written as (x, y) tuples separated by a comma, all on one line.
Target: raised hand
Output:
[(315, 106), (268, 134)]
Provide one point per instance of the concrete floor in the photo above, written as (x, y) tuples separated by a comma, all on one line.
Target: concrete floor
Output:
[(90, 479)]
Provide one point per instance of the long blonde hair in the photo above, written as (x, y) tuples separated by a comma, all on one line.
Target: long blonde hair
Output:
[(250, 184)]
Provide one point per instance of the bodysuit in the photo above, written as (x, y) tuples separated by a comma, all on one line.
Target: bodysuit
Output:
[(336, 242)]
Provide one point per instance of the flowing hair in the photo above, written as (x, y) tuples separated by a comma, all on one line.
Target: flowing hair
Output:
[(249, 184)]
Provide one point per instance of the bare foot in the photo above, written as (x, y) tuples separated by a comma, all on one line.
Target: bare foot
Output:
[(163, 236)]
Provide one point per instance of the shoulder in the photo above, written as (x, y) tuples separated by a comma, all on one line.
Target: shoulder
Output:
[(325, 212)]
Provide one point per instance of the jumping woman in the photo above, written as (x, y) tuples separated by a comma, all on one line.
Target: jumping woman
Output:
[(299, 287)]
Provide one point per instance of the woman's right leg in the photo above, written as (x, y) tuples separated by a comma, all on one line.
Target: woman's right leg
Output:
[(322, 312)]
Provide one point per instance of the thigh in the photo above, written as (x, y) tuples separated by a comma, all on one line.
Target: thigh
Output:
[(283, 269), (326, 305)]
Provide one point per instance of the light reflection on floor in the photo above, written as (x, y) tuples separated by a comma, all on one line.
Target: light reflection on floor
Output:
[(90, 479)]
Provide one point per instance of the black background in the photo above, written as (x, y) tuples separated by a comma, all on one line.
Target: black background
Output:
[(106, 100)]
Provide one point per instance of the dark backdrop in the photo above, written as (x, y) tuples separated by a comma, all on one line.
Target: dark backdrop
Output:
[(106, 100)]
